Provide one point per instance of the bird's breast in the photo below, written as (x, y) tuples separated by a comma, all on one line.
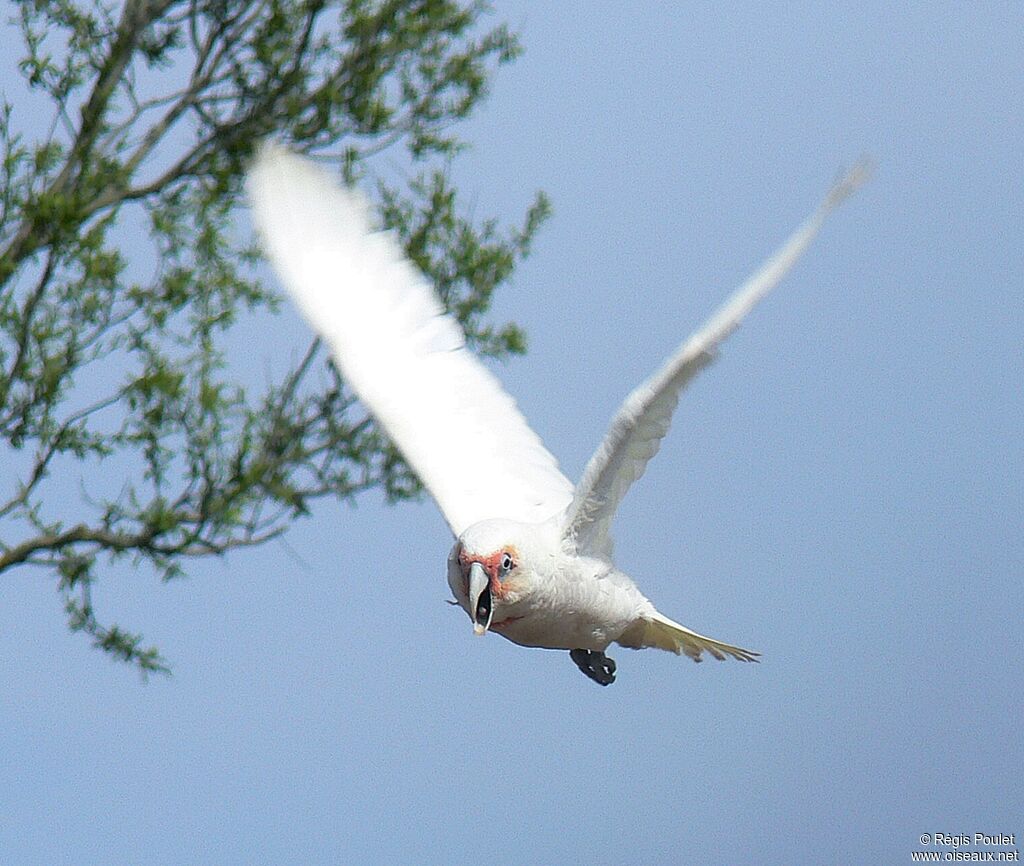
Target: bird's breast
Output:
[(568, 615)]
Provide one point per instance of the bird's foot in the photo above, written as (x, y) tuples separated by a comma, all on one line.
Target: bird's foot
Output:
[(595, 665)]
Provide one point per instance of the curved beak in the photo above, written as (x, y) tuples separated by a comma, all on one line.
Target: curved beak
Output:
[(480, 598)]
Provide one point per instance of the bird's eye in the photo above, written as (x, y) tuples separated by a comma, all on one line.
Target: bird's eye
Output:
[(506, 562)]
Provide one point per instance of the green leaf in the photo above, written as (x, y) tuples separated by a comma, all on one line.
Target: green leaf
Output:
[(127, 267)]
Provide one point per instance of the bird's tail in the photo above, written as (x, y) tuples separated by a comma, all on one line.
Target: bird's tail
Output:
[(655, 630)]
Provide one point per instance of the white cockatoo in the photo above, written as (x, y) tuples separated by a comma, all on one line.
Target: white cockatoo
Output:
[(532, 558)]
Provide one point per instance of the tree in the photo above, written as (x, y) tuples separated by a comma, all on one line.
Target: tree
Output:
[(155, 107)]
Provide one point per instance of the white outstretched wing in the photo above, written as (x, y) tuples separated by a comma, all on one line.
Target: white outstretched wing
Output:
[(644, 418), (404, 358)]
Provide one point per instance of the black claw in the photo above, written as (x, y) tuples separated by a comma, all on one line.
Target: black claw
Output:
[(595, 665)]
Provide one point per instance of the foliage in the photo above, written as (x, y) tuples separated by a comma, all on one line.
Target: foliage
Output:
[(155, 108)]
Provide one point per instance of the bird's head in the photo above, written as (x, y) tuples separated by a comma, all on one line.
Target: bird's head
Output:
[(494, 564)]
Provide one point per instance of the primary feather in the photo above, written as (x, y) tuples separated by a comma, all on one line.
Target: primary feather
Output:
[(402, 355), (644, 418)]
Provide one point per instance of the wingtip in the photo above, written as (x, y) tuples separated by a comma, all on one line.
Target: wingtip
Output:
[(267, 153), (269, 162), (268, 149), (282, 184), (850, 181), (273, 163)]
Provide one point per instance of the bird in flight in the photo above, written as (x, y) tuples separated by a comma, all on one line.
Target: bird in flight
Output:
[(532, 559)]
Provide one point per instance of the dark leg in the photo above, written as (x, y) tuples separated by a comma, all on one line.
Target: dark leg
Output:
[(595, 665)]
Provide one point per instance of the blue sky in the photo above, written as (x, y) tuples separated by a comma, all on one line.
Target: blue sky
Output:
[(841, 491)]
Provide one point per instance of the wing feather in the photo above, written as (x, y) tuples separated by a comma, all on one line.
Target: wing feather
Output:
[(643, 420), (402, 355)]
